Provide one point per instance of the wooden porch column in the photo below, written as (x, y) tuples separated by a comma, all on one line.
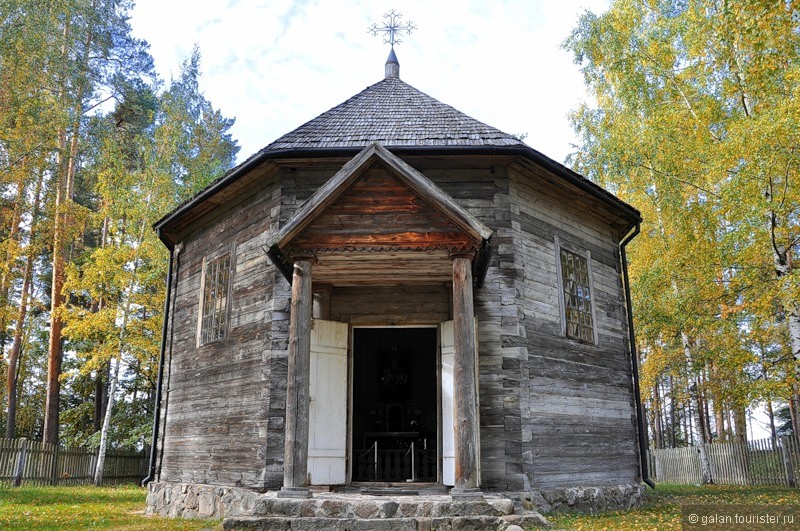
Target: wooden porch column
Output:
[(295, 465), (322, 301), (465, 413)]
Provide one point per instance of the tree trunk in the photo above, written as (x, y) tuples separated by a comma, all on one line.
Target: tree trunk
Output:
[(658, 432), (16, 348), (705, 465), (102, 378), (783, 269), (772, 432), (672, 424), (68, 154), (706, 411), (794, 410), (687, 423), (112, 388), (719, 419), (740, 423), (54, 353), (12, 375), (101, 394), (112, 384), (705, 437)]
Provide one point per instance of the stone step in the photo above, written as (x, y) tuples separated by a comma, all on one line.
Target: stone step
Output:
[(455, 523), (372, 507)]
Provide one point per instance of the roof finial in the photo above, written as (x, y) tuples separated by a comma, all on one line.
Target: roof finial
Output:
[(390, 29)]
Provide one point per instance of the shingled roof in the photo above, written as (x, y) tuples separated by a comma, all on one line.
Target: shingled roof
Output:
[(394, 114), (401, 118)]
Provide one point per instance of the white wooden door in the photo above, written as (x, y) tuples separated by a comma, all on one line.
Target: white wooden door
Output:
[(327, 438), (446, 339)]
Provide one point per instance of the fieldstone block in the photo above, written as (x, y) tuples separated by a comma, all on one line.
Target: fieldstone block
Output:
[(366, 509), (334, 509), (441, 509), (207, 504), (467, 523), (388, 509), (408, 509), (594, 499), (190, 501), (526, 521), (502, 506)]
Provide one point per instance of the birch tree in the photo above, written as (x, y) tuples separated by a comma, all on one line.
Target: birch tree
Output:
[(694, 121), (155, 150)]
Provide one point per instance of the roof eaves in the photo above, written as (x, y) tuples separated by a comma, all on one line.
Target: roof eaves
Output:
[(628, 211)]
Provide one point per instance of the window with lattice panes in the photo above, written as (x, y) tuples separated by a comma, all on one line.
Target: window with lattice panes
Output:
[(577, 296), (214, 320)]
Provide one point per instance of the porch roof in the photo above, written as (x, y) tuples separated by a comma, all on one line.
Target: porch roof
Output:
[(379, 221)]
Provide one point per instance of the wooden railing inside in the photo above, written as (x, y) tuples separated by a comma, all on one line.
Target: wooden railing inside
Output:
[(395, 465), (26, 462), (759, 462)]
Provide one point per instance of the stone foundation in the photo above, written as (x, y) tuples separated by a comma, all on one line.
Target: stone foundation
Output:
[(247, 509), (585, 499), (193, 500)]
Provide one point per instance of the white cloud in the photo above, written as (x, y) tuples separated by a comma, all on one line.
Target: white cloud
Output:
[(275, 65)]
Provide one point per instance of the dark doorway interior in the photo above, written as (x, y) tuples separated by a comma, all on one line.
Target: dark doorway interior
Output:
[(394, 404)]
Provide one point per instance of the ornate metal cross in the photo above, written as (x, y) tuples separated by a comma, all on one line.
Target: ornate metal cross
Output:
[(392, 27)]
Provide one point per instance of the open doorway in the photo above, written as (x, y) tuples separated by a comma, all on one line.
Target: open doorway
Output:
[(395, 413)]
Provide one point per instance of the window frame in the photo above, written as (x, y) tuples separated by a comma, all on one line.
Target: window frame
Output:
[(211, 260), (587, 256)]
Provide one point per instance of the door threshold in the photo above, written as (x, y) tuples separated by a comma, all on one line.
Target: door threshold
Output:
[(378, 488), (394, 484)]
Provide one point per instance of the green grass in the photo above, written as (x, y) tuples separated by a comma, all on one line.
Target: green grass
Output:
[(662, 510), (83, 507), (122, 508)]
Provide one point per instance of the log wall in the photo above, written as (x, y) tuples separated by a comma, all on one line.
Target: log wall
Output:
[(218, 396), (482, 187), (553, 412), (578, 416)]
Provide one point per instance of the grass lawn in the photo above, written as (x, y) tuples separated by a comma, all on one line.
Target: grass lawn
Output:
[(663, 509), (83, 507), (122, 508)]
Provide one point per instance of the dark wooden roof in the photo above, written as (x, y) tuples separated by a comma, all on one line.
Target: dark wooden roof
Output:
[(380, 221), (395, 114), (402, 119)]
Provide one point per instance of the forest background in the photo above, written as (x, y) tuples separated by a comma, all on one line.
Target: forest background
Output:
[(94, 148), (693, 121)]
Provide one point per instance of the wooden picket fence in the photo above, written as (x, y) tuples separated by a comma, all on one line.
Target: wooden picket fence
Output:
[(23, 461), (760, 462)]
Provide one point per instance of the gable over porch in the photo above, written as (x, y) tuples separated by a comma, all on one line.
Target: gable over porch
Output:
[(379, 222)]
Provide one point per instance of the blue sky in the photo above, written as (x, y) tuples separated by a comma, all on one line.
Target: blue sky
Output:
[(273, 65)]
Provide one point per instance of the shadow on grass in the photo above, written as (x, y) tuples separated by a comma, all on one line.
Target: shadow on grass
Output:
[(72, 494), (663, 508)]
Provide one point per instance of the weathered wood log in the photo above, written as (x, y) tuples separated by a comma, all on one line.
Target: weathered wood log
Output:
[(295, 468), (464, 384)]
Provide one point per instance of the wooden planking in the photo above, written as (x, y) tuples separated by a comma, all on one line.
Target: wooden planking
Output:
[(383, 268), (391, 306), (580, 419), (219, 204), (221, 390), (379, 212), (521, 356), (27, 462), (600, 211)]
